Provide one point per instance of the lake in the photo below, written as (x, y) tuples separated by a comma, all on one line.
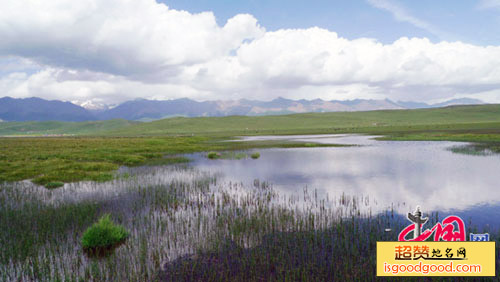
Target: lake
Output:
[(394, 175)]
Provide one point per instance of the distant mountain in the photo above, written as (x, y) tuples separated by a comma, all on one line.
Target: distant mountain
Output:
[(452, 102), (461, 101), (141, 109), (152, 109), (36, 109), (413, 105), (93, 106)]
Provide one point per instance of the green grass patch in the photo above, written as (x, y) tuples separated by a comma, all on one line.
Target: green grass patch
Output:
[(255, 155), (231, 155), (477, 149), (168, 160), (213, 155), (56, 128), (103, 234), (227, 155), (46, 160)]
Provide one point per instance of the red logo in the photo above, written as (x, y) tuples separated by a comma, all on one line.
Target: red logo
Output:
[(444, 231)]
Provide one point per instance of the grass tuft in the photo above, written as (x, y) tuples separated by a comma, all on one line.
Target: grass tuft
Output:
[(103, 234), (255, 155), (213, 155)]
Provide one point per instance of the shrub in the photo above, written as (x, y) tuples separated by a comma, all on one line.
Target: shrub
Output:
[(213, 155), (103, 234), (255, 155)]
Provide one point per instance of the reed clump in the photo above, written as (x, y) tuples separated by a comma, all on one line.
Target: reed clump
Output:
[(213, 155), (104, 234), (255, 155)]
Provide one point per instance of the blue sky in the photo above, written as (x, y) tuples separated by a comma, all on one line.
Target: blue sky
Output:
[(464, 20), (94, 52)]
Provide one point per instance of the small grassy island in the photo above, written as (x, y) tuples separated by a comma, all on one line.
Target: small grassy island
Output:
[(103, 236)]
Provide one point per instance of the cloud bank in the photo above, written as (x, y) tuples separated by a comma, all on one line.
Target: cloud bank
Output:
[(115, 50)]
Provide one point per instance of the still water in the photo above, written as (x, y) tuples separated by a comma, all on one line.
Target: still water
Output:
[(391, 174)]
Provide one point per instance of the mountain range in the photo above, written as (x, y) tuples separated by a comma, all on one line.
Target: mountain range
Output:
[(37, 109)]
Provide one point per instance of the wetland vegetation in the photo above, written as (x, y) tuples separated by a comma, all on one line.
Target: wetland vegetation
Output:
[(169, 213), (185, 225), (104, 234)]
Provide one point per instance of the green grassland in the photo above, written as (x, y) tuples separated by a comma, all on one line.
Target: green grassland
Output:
[(34, 128), (47, 160), (99, 148), (486, 117)]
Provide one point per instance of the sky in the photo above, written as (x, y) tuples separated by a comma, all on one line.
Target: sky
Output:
[(95, 52)]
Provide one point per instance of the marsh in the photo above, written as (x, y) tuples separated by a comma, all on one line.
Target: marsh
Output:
[(339, 200)]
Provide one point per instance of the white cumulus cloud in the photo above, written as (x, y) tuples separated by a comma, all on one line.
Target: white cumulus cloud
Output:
[(118, 36), (114, 50)]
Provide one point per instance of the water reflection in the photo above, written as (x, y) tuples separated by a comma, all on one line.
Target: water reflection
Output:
[(398, 174)]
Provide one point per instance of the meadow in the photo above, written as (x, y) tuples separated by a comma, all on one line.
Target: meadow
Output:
[(97, 149), (483, 117), (187, 225)]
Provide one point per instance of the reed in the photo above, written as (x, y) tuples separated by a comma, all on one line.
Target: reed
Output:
[(184, 224)]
